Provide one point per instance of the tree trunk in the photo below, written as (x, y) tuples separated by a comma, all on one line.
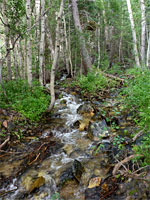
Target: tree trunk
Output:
[(148, 54), (15, 60), (143, 30), (29, 43), (42, 42), (56, 53), (7, 41), (20, 60), (133, 33), (84, 52), (66, 45)]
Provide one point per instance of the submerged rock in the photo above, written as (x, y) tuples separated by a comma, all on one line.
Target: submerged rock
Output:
[(85, 108), (72, 173)]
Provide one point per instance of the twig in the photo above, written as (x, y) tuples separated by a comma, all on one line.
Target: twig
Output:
[(4, 143), (118, 165), (137, 135)]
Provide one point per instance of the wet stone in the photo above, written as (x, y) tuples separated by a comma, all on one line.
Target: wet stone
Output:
[(98, 130), (78, 169), (72, 173), (92, 193), (85, 108)]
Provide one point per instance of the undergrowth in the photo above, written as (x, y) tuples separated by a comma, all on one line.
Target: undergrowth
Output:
[(94, 81), (31, 102), (138, 101)]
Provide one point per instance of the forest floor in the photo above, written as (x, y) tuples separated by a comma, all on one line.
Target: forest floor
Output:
[(22, 145)]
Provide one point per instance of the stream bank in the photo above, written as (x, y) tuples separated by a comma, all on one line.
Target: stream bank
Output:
[(72, 152)]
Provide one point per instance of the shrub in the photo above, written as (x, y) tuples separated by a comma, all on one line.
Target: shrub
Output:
[(138, 95), (138, 100), (93, 82), (31, 102)]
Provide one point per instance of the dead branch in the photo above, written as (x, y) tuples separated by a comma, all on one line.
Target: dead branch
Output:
[(4, 143), (118, 165), (137, 135), (113, 77)]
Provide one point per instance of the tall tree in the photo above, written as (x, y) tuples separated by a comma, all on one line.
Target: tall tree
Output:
[(56, 54), (29, 42), (7, 40), (42, 42), (143, 30), (84, 52), (137, 60)]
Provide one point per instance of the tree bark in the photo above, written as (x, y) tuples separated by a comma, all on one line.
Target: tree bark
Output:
[(133, 33), (42, 42), (29, 43), (148, 54), (7, 41), (56, 54), (66, 45), (20, 59), (84, 52), (143, 30), (15, 61)]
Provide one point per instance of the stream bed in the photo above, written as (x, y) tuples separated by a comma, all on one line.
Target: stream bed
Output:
[(80, 154)]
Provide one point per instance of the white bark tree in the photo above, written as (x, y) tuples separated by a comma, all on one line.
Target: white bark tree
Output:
[(7, 41), (137, 60), (15, 61), (143, 30), (29, 42), (148, 54), (56, 54), (42, 43), (20, 59)]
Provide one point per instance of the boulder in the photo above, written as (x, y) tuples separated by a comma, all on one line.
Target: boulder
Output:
[(98, 130)]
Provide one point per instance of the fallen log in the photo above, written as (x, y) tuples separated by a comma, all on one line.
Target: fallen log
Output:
[(113, 77)]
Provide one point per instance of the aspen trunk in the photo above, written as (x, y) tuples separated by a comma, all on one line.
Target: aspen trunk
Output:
[(143, 30), (133, 33), (56, 53), (49, 38), (29, 43), (84, 52), (7, 41), (66, 45), (20, 61), (42, 42), (15, 60), (148, 54)]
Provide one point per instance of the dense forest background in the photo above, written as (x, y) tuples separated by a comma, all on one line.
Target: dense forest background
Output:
[(104, 34)]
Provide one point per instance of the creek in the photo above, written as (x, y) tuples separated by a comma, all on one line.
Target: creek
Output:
[(82, 158)]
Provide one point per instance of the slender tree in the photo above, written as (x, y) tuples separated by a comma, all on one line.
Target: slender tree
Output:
[(137, 60), (143, 30), (29, 42), (56, 53), (7, 40), (84, 52), (42, 42)]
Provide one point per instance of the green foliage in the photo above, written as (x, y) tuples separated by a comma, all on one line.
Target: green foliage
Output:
[(138, 101), (30, 102), (93, 82), (138, 95), (117, 141), (143, 150), (56, 196), (15, 12)]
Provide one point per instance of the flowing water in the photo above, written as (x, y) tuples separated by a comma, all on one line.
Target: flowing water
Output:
[(76, 146)]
